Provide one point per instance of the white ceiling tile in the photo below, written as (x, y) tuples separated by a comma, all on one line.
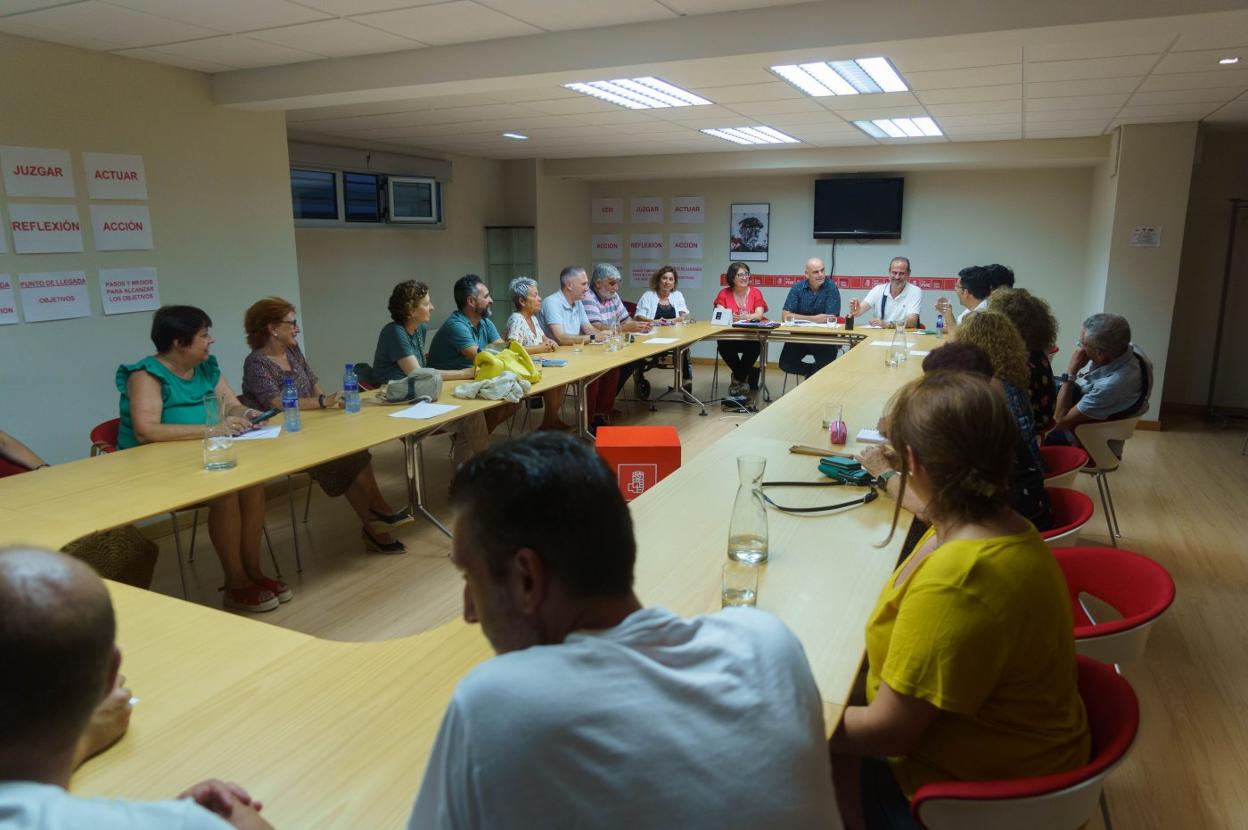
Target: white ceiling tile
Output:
[(1096, 86), (16, 26), (572, 106), (1128, 66), (1177, 112), (227, 15), (977, 108), (459, 21), (235, 50), (860, 140), (1195, 80), (1215, 95), (777, 107), (18, 6), (960, 95), (1219, 35), (914, 60), (848, 103), (728, 120), (544, 93), (112, 24), (981, 76), (988, 136), (883, 112), (1068, 130), (1056, 116), (702, 113), (710, 72), (555, 15), (959, 131), (336, 38), (966, 121), (344, 8), (1075, 47), (625, 117), (794, 119), (1197, 62), (741, 93), (171, 60), (1075, 102)]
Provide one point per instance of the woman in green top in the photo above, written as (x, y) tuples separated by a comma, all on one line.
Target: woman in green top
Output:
[(162, 399)]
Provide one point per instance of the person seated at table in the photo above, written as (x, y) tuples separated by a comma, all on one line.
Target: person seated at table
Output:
[(401, 351), (467, 331), (995, 334), (1036, 324), (606, 312), (663, 305), (896, 302), (564, 313), (971, 671), (999, 276), (162, 399), (972, 291), (1108, 378), (745, 302), (63, 700), (16, 457), (273, 335), (599, 712), (815, 299), (525, 327)]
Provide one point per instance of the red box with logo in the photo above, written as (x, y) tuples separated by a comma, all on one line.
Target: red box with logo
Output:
[(641, 457)]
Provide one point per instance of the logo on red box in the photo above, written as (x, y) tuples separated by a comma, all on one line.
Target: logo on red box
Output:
[(636, 479)]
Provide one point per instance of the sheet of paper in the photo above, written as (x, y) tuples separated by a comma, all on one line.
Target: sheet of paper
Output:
[(866, 435), (917, 353), (260, 434), (660, 341), (424, 411)]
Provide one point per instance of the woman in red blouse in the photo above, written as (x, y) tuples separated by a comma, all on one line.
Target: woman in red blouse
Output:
[(746, 303)]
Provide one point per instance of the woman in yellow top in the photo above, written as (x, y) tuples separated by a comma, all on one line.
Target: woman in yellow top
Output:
[(970, 649)]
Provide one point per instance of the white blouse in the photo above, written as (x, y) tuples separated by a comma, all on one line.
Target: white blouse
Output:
[(648, 305), (518, 330)]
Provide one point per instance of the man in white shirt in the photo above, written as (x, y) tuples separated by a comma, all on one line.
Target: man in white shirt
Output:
[(598, 712), (972, 292), (61, 669), (896, 302), (564, 314)]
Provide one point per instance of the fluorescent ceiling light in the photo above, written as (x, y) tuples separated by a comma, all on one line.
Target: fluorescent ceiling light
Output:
[(921, 127), (1228, 61), (639, 93), (516, 136), (863, 76), (752, 135)]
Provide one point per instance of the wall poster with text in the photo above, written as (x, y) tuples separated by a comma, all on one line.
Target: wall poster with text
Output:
[(749, 232)]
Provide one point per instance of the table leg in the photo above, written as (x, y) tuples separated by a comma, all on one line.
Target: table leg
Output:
[(678, 370), (415, 463)]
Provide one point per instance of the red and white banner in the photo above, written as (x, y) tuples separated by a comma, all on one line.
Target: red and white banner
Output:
[(689, 274), (36, 171), (608, 247), (688, 210), (606, 211), (54, 296), (121, 227), (123, 290), (646, 246), (8, 302), (685, 245), (846, 283), (45, 229), (647, 210), (114, 176)]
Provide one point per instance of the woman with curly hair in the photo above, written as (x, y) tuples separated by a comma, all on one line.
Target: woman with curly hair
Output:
[(993, 332), (1038, 327)]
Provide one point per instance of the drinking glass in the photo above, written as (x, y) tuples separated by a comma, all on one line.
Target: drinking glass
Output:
[(740, 584)]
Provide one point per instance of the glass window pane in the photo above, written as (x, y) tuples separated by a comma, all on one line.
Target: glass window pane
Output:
[(361, 197), (314, 194), (413, 198)]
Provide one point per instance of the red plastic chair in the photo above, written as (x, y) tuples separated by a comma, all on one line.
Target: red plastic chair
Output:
[(1064, 801), (1071, 511), (8, 468), (1063, 464), (1135, 586)]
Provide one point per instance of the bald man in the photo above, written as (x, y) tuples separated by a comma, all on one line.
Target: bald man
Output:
[(815, 300), (60, 681)]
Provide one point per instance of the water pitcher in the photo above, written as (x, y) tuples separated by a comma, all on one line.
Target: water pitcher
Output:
[(747, 530), (219, 451)]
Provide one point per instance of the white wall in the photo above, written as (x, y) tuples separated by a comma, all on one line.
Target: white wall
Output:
[(219, 195)]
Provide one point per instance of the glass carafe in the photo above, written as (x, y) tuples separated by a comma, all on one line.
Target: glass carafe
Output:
[(219, 451), (898, 350), (747, 530)]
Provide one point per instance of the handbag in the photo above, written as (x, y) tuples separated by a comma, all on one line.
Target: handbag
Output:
[(421, 385), (840, 472)]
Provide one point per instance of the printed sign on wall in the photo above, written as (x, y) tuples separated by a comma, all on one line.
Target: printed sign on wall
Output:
[(608, 247), (606, 211), (121, 227), (686, 245), (639, 276), (647, 246), (54, 296), (690, 210), (123, 290), (114, 176), (689, 274), (35, 171), (8, 302), (45, 229), (647, 210), (4, 245)]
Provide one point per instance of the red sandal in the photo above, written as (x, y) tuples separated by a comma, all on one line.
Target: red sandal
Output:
[(252, 599), (276, 587)]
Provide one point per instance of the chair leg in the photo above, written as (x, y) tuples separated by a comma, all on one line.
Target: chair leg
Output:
[(177, 546), (1109, 825), (784, 385), (1109, 524), (276, 567), (1113, 511), (194, 530), (294, 531), (715, 378)]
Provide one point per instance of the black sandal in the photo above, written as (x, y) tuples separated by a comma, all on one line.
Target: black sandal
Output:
[(382, 547), (394, 519)]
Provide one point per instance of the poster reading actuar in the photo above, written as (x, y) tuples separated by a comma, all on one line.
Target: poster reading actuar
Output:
[(686, 245), (45, 229), (121, 227), (647, 210), (123, 290), (114, 176), (646, 246), (35, 171), (688, 210), (608, 247), (606, 211), (8, 303), (54, 296)]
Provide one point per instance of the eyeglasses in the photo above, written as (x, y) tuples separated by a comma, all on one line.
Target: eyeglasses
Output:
[(294, 323)]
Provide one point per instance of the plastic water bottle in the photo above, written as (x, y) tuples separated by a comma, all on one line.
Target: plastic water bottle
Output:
[(351, 390), (290, 406), (940, 325)]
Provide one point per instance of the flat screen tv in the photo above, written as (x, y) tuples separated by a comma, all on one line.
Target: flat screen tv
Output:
[(858, 208)]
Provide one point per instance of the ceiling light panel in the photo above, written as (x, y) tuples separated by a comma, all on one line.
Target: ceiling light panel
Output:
[(758, 134), (864, 76), (639, 93), (921, 127)]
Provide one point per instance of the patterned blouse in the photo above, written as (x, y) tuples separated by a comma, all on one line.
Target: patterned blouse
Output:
[(1041, 391), (263, 378)]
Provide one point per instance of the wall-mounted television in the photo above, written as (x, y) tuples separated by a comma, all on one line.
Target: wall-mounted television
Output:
[(858, 207)]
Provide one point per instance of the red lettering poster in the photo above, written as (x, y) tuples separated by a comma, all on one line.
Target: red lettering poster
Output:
[(686, 245), (648, 210), (45, 229), (36, 171), (54, 296), (123, 290), (608, 247), (688, 210), (606, 211), (8, 302), (639, 276), (121, 227), (689, 275), (646, 246), (114, 176)]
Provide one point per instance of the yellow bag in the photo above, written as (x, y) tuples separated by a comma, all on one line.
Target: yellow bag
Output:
[(512, 359)]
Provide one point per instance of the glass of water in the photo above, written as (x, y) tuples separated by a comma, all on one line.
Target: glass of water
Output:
[(579, 341), (740, 584), (219, 450)]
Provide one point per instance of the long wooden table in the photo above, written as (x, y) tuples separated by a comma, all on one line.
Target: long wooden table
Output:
[(334, 734)]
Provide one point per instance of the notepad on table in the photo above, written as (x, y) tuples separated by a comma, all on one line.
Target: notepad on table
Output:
[(259, 433), (867, 435), (423, 411), (660, 341)]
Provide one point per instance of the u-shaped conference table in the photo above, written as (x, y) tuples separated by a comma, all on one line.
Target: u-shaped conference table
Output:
[(336, 734)]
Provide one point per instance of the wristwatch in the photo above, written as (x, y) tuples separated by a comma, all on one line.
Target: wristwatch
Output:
[(1064, 377), (321, 399), (881, 480)]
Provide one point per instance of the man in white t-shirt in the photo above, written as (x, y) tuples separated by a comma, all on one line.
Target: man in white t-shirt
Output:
[(598, 712), (896, 302), (60, 674)]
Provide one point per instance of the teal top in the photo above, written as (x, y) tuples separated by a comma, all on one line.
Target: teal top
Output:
[(457, 334), (394, 344), (182, 400)]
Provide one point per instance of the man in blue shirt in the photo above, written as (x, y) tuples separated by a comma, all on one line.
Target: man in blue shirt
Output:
[(468, 330), (815, 300)]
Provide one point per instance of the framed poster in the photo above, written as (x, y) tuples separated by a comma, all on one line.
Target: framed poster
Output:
[(749, 232)]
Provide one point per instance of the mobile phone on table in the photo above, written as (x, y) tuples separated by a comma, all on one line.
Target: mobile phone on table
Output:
[(263, 416)]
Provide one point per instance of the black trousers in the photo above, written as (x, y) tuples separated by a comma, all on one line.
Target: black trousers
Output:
[(793, 355), (740, 355)]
